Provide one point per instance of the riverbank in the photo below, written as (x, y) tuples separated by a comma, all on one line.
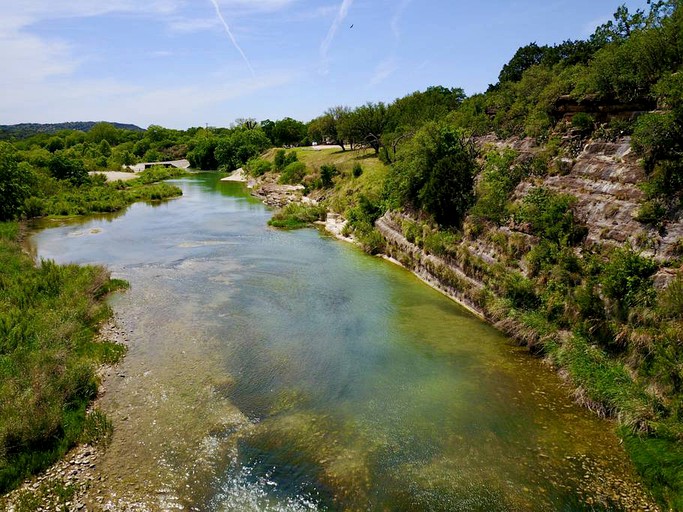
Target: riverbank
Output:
[(65, 485), (198, 407), (51, 317), (469, 292)]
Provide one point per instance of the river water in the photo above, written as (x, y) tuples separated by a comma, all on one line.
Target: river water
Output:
[(272, 370)]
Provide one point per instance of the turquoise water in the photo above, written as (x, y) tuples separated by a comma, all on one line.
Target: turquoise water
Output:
[(275, 370)]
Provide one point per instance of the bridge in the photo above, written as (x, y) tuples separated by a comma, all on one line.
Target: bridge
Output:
[(180, 164)]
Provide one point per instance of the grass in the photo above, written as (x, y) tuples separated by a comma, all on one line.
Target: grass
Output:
[(660, 463), (346, 187), (297, 215), (49, 319), (99, 197)]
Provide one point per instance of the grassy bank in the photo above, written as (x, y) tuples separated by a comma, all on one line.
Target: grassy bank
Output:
[(98, 196), (49, 352), (49, 320)]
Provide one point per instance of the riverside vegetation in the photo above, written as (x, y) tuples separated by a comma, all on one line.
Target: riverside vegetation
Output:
[(50, 314), (452, 174)]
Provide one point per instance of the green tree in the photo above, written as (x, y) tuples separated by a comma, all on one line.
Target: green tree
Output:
[(329, 126), (289, 132), (104, 131), (234, 150), (435, 172), (15, 183), (64, 167), (366, 125), (523, 59), (202, 152)]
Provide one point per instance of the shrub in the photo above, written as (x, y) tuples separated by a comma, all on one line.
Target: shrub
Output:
[(283, 159), (327, 172), (651, 212), (549, 215), (365, 212), (63, 167), (670, 300), (14, 182), (258, 167), (33, 207), (293, 173), (625, 280), (371, 240), (297, 215), (520, 291), (357, 170), (583, 122), (439, 242), (498, 179)]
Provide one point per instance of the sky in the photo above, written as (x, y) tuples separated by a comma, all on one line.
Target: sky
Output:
[(184, 63)]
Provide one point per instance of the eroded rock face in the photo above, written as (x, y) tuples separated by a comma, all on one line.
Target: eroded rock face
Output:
[(605, 178)]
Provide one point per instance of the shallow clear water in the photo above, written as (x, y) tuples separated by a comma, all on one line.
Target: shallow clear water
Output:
[(275, 370)]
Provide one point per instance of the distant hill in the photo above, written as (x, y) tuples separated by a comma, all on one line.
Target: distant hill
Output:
[(23, 130)]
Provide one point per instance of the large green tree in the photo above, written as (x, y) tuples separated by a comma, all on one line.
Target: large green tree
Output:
[(234, 150), (435, 172), (64, 167), (366, 125), (15, 183), (289, 132)]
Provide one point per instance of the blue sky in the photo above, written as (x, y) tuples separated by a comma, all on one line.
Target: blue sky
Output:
[(182, 63)]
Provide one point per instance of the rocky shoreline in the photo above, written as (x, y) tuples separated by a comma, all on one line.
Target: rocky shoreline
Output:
[(66, 484)]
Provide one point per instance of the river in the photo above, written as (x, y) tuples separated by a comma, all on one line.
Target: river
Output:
[(272, 370)]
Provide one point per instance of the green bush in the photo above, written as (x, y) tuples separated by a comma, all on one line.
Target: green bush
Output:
[(64, 167), (258, 167), (583, 122), (283, 159), (550, 216), (520, 291), (651, 212), (293, 173), (15, 182), (497, 180), (670, 300), (440, 242), (327, 172), (370, 239), (626, 281), (357, 170), (297, 215)]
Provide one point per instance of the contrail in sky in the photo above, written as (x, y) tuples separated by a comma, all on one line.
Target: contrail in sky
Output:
[(341, 15), (232, 37), (397, 17)]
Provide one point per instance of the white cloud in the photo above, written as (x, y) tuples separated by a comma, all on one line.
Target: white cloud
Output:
[(26, 58), (176, 106), (323, 11), (42, 79), (27, 12)]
